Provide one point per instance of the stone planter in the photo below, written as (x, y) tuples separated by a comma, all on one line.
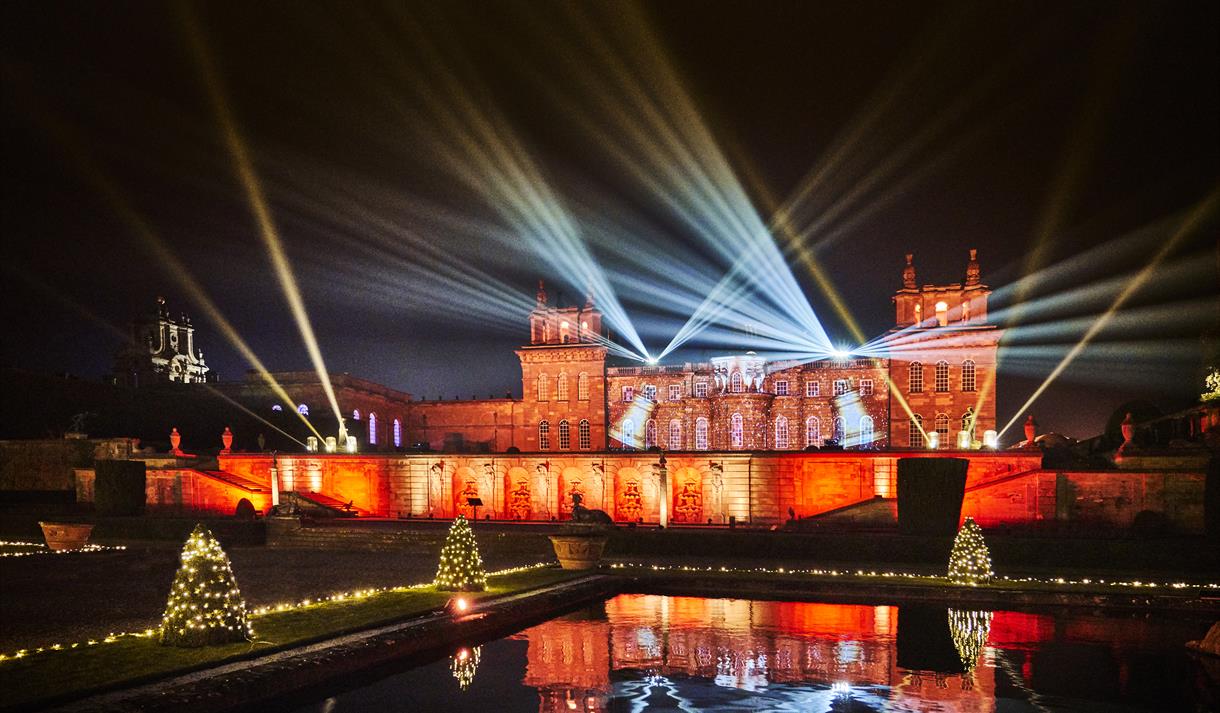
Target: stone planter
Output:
[(579, 551), (65, 536)]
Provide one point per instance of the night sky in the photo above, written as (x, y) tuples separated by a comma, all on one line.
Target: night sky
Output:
[(999, 126)]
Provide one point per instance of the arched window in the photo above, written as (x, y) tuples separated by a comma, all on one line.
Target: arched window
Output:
[(544, 388), (735, 382), (942, 376), (627, 434), (582, 387), (968, 377), (565, 435), (915, 435), (736, 431), (866, 431), (397, 434), (942, 313), (675, 435), (701, 434), (561, 387), (839, 435), (942, 427), (356, 415), (813, 431), (916, 378), (563, 332), (372, 428), (650, 433), (582, 433), (544, 435), (303, 410), (781, 433), (276, 407)]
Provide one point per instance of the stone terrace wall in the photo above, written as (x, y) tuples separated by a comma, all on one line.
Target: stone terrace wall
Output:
[(48, 464)]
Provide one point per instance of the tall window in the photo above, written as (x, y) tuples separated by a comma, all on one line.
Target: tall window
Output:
[(303, 409), (968, 377), (675, 392), (544, 388), (565, 435), (942, 427), (397, 434), (735, 382), (813, 431), (372, 428), (915, 434), (563, 332), (942, 313), (582, 434), (627, 433), (736, 431), (650, 433), (701, 434), (866, 431), (276, 407), (942, 376), (582, 387), (840, 387), (781, 388), (675, 435), (628, 393), (561, 387), (544, 435), (840, 436), (356, 415), (813, 389), (650, 391), (781, 433), (916, 378), (701, 389), (866, 387)]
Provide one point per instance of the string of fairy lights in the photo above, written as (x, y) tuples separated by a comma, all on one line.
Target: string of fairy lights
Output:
[(39, 548)]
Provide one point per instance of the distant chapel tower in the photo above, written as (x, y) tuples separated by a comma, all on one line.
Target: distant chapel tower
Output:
[(161, 349)]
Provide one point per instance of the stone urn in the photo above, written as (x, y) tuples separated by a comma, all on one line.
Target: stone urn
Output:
[(62, 536), (175, 440), (579, 548), (1031, 430), (226, 439)]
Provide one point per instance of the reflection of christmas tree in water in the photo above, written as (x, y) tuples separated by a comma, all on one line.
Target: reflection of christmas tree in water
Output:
[(689, 503), (519, 501), (969, 630), (464, 664), (630, 505)]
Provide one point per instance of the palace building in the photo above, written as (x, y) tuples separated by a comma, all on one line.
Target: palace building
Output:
[(160, 349)]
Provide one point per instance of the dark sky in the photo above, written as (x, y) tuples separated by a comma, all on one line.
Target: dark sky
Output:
[(983, 125)]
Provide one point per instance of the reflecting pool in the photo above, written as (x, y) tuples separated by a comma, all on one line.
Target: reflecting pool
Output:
[(645, 652)]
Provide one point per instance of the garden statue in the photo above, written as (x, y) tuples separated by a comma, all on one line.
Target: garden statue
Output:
[(582, 514)]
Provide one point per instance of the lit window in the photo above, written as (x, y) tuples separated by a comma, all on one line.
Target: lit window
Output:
[(565, 435), (563, 332), (701, 434), (942, 427), (372, 428), (701, 389), (544, 435), (627, 434), (675, 435), (840, 387), (942, 313), (781, 433), (735, 382), (628, 393), (813, 431), (582, 387), (736, 431), (544, 387), (397, 434), (650, 433), (277, 407), (916, 377), (866, 431), (582, 430), (561, 387), (813, 389), (968, 376), (866, 387), (915, 434), (356, 415), (303, 410), (650, 392), (839, 435), (675, 392), (781, 388), (942, 376)]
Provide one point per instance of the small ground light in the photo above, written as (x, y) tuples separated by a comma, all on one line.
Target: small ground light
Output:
[(458, 605)]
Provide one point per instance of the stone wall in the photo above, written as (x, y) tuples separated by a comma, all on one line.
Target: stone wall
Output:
[(49, 464)]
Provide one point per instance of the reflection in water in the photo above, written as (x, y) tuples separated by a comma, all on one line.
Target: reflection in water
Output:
[(464, 665), (969, 630)]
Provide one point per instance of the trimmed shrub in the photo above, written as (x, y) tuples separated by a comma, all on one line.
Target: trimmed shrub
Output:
[(930, 493), (119, 487)]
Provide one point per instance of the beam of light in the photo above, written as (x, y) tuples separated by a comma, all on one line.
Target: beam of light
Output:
[(244, 167), (1189, 224), (73, 149), (216, 392)]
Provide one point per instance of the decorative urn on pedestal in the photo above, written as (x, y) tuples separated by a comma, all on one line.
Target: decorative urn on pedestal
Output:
[(175, 440), (226, 439), (582, 541)]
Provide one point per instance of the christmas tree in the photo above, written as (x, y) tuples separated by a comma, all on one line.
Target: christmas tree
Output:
[(461, 567), (205, 606), (969, 562)]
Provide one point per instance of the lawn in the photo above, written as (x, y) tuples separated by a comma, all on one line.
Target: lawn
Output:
[(128, 660)]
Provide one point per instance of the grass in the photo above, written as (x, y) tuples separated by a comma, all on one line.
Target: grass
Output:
[(127, 661)]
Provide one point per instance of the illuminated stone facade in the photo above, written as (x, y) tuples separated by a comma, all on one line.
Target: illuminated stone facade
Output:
[(160, 349)]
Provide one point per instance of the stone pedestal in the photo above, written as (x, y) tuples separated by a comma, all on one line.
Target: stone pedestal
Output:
[(579, 552)]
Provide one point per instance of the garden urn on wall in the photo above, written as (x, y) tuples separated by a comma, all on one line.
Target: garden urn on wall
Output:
[(62, 536)]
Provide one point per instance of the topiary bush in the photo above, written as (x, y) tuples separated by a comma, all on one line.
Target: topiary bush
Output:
[(930, 494), (119, 487)]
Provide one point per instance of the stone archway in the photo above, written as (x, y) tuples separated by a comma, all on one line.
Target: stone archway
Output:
[(687, 489), (629, 503), (465, 486), (571, 481), (518, 497)]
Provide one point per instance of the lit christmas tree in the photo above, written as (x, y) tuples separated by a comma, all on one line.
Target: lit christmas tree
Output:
[(461, 567), (205, 606), (969, 630), (464, 664), (969, 562)]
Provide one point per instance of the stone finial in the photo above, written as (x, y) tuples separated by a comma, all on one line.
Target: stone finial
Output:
[(175, 440), (908, 273), (1128, 430), (226, 439), (1031, 430), (541, 296), (972, 268)]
